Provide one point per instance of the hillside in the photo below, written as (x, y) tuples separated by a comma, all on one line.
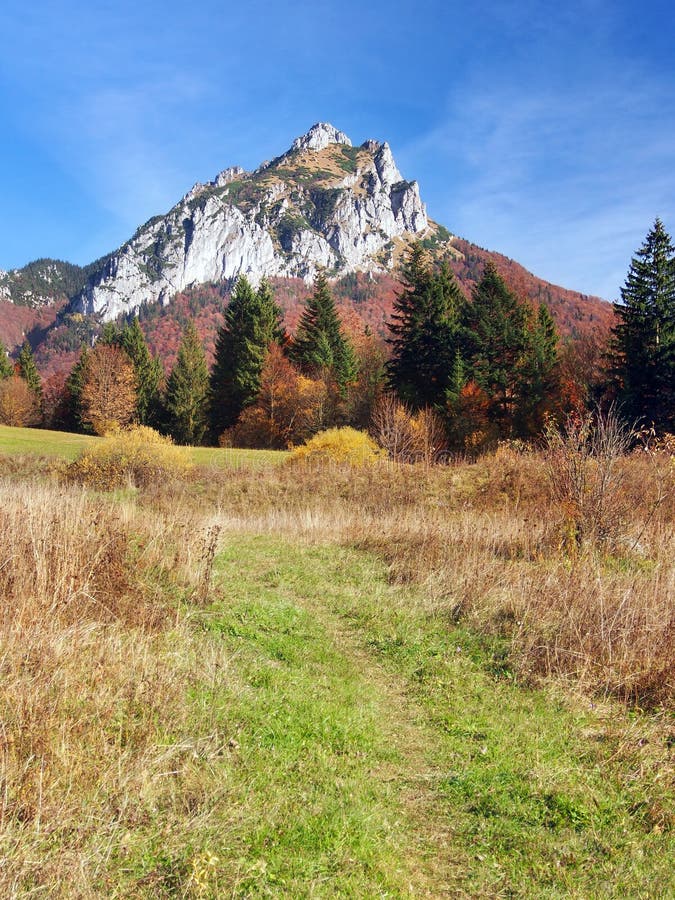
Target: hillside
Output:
[(42, 282)]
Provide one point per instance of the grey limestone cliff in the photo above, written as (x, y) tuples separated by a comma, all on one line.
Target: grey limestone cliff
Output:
[(324, 203)]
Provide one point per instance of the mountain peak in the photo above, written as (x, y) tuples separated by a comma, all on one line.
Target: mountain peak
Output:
[(323, 204), (319, 136)]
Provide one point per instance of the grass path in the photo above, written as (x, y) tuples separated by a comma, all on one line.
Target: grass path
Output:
[(382, 752), (313, 731)]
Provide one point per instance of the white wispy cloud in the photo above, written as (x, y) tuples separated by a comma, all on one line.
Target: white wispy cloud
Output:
[(566, 183)]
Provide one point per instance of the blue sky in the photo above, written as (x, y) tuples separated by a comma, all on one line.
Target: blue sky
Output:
[(544, 131)]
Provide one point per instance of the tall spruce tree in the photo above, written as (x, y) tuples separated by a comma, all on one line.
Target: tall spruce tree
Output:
[(320, 346), (148, 371), (497, 344), (72, 405), (6, 367), (642, 354), (539, 388), (425, 329), (28, 371), (253, 321), (110, 335), (187, 390)]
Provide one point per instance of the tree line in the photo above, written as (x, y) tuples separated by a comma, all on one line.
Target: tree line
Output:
[(460, 373)]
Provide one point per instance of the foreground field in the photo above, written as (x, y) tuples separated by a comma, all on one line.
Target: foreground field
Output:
[(321, 683)]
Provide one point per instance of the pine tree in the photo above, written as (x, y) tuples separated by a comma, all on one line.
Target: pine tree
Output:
[(425, 331), (187, 390), (539, 389), (496, 341), (320, 346), (72, 406), (253, 321), (28, 371), (642, 354), (148, 371), (6, 367), (110, 335)]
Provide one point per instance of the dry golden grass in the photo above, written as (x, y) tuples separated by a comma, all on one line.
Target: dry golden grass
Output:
[(84, 693), (490, 545), (97, 647)]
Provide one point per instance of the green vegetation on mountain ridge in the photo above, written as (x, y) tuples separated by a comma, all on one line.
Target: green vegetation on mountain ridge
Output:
[(43, 281)]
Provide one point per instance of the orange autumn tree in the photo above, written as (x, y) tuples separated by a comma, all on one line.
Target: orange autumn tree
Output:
[(109, 390), (289, 407), (18, 403)]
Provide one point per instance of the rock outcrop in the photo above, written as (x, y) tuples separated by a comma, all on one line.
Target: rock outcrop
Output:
[(324, 203)]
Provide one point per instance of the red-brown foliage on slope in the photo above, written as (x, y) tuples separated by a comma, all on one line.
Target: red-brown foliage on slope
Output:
[(574, 313), (17, 322)]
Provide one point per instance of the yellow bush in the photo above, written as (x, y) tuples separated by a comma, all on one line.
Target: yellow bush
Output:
[(339, 445), (136, 455)]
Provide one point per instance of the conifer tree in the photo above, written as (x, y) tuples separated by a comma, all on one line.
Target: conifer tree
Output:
[(496, 341), (253, 321), (28, 371), (72, 406), (6, 367), (425, 331), (187, 390), (457, 380), (539, 388), (320, 346), (642, 354), (148, 371), (110, 335)]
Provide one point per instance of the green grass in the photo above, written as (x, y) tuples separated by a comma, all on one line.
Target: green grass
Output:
[(40, 442), (372, 750), (233, 457), (64, 445)]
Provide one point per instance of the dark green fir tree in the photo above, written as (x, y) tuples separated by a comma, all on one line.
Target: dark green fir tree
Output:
[(6, 367), (110, 335), (72, 402), (148, 371), (320, 347), (539, 389), (496, 343), (187, 390), (28, 371), (425, 331), (253, 321), (642, 354)]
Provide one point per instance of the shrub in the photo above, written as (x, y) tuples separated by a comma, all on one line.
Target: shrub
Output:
[(584, 476), (339, 445), (136, 455), (407, 436)]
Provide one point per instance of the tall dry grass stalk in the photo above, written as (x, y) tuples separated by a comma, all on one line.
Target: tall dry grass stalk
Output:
[(88, 686)]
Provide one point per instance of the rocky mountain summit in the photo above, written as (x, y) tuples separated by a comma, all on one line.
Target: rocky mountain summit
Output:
[(323, 203)]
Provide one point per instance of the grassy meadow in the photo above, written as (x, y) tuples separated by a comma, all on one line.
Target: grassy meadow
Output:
[(67, 446), (261, 679)]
